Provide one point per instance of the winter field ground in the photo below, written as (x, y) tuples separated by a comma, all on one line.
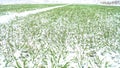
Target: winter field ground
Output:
[(7, 9), (73, 36)]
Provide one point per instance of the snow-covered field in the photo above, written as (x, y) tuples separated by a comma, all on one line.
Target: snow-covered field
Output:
[(9, 17), (73, 36)]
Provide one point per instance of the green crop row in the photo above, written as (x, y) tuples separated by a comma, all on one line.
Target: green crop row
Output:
[(75, 36)]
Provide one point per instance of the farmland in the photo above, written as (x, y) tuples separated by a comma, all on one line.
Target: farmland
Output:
[(6, 9), (74, 36)]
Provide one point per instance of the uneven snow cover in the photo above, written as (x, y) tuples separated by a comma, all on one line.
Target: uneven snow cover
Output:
[(8, 18), (75, 52), (110, 4)]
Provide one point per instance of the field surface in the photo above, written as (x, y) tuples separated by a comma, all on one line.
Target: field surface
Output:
[(7, 9), (74, 36)]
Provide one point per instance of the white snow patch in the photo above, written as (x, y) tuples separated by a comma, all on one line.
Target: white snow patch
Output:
[(30, 64), (108, 57), (2, 63), (109, 4), (17, 54)]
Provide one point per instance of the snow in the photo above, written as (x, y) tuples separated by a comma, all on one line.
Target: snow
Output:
[(17, 54), (8, 18), (110, 57)]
